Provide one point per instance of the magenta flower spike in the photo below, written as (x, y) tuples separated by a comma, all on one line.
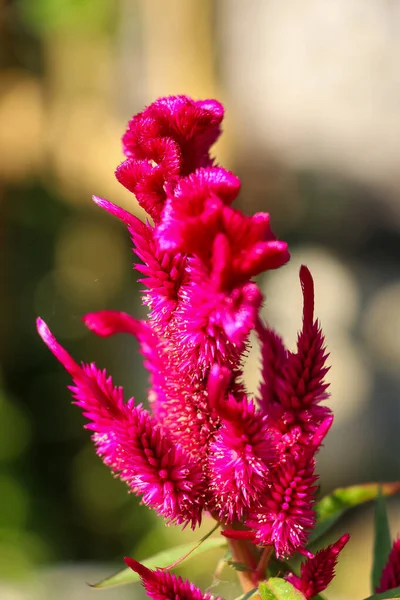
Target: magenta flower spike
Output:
[(293, 383), (390, 577), (286, 516), (163, 585), (318, 571), (204, 444), (132, 444)]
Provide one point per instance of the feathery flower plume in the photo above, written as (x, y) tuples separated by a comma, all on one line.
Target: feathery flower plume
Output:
[(390, 577), (318, 571), (293, 383), (287, 515), (205, 444), (132, 444), (240, 458)]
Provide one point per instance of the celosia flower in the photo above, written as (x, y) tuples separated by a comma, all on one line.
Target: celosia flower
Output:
[(390, 577), (163, 585), (318, 571), (205, 444)]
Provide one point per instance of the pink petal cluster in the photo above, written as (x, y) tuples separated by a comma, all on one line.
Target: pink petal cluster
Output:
[(390, 577), (205, 444)]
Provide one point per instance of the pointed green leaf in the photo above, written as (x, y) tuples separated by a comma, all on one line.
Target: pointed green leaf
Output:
[(238, 566), (382, 541), (278, 589), (162, 559), (394, 593), (332, 507)]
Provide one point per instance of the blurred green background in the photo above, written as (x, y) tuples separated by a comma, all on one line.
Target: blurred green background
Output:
[(312, 96)]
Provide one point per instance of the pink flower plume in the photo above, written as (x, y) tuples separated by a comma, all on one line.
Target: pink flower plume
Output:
[(303, 380), (390, 577), (287, 513), (318, 571), (132, 444), (294, 383), (240, 458), (163, 585)]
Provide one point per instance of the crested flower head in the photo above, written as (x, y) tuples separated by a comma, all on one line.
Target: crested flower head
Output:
[(204, 444), (169, 139)]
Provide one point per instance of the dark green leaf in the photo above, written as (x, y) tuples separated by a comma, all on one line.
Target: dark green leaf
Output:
[(395, 593), (382, 541), (278, 589), (332, 507), (162, 559), (277, 568), (238, 566)]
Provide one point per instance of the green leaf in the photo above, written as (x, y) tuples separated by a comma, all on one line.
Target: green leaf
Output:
[(238, 566), (332, 507), (394, 593), (278, 589), (162, 559), (277, 567), (382, 541)]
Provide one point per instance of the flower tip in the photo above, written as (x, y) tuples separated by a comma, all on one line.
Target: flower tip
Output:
[(46, 335), (97, 200), (136, 566), (307, 286), (41, 327), (340, 544), (62, 355), (322, 431), (109, 322), (115, 210)]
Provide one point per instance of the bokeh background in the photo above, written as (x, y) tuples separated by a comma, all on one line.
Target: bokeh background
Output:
[(312, 96)]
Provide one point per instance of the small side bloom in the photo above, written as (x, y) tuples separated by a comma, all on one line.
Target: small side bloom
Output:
[(303, 383), (318, 571), (133, 444), (240, 459), (294, 383), (163, 585), (287, 513), (390, 577)]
